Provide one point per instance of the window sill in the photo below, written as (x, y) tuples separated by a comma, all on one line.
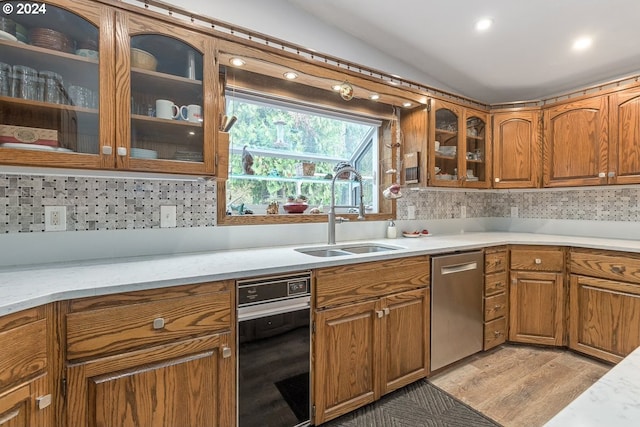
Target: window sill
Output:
[(293, 218)]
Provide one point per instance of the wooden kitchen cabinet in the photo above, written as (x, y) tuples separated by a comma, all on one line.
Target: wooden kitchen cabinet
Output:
[(496, 307), (517, 149), (624, 148), (604, 310), (576, 143), (373, 341), (69, 121), (25, 389), (536, 295), (462, 138), (157, 357)]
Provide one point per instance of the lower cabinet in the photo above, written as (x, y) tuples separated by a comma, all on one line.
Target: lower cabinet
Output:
[(160, 357), (367, 349), (26, 405), (173, 385), (536, 313), (371, 332)]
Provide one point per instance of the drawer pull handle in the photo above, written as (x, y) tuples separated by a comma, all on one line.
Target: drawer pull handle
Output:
[(226, 352), (497, 307), (538, 261), (379, 314), (386, 311), (9, 416), (618, 269), (43, 401), (497, 333), (499, 285), (158, 323)]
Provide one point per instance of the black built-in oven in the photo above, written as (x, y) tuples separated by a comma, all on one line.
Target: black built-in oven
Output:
[(274, 351)]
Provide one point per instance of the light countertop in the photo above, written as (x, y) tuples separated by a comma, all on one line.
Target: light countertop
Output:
[(26, 287), (612, 401)]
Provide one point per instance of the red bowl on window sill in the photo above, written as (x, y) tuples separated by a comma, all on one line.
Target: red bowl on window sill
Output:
[(295, 207)]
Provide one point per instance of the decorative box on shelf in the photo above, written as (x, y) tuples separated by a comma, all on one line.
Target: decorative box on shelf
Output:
[(27, 135), (305, 169)]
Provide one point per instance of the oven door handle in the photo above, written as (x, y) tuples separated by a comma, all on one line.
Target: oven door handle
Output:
[(271, 309)]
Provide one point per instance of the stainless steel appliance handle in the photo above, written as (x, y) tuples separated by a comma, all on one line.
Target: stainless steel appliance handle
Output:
[(272, 308), (452, 269)]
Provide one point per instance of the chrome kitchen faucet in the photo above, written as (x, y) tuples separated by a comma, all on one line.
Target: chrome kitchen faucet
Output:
[(332, 209)]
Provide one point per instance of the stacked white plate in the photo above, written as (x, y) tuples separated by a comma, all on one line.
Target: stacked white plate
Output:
[(141, 153)]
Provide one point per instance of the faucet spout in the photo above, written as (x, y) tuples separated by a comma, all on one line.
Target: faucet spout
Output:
[(331, 222)]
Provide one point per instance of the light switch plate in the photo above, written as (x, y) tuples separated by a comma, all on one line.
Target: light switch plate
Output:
[(168, 216), (514, 212), (463, 212), (411, 212)]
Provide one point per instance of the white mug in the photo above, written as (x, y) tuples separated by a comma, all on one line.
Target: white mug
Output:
[(166, 109), (192, 113)]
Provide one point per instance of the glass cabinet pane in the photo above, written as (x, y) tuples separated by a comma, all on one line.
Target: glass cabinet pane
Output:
[(446, 146), (166, 99), (476, 150), (49, 81)]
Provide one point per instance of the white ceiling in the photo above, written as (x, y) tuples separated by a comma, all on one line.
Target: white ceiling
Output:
[(526, 55)]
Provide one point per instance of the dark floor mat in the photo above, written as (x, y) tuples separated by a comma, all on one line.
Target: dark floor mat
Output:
[(295, 391)]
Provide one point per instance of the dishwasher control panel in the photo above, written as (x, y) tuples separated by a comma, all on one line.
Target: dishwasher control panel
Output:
[(273, 288)]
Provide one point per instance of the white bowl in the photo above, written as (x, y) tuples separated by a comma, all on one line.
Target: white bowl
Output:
[(87, 53)]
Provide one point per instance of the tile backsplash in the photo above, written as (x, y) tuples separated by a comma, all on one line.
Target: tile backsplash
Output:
[(592, 204), (103, 203), (115, 203)]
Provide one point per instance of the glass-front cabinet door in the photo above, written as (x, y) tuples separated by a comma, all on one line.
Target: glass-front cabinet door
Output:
[(56, 62), (446, 134), (476, 172), (165, 81)]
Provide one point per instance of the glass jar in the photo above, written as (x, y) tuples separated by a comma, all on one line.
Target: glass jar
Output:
[(25, 83)]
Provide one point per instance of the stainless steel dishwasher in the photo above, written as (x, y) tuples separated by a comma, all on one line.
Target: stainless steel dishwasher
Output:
[(456, 307)]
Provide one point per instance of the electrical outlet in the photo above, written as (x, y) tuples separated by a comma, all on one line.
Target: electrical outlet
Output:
[(55, 218), (411, 212), (514, 212), (463, 212), (168, 216)]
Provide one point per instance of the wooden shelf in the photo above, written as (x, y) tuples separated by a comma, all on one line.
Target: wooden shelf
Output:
[(478, 138), (39, 105), (305, 179), (475, 161), (74, 69), (446, 132), (164, 122), (442, 156)]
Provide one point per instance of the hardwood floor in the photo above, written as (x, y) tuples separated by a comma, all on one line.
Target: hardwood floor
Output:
[(520, 385)]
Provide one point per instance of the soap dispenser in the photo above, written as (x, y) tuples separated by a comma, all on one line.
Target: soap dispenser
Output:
[(391, 230)]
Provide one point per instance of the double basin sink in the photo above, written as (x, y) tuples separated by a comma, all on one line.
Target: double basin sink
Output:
[(352, 249)]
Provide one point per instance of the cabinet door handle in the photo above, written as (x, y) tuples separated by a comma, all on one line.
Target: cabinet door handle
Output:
[(386, 311), (379, 313), (602, 175), (618, 269), (122, 151), (158, 323), (226, 352), (611, 174), (497, 179), (107, 150), (538, 261), (9, 416), (43, 401)]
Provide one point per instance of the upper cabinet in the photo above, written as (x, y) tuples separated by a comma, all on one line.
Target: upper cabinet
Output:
[(56, 86), (624, 150), (517, 151), (82, 85), (459, 147), (164, 86), (576, 143)]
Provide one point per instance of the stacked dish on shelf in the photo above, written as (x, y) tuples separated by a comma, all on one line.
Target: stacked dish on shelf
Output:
[(51, 39), (141, 153), (189, 156)]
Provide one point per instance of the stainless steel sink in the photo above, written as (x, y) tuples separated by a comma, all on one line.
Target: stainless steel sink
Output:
[(364, 248)]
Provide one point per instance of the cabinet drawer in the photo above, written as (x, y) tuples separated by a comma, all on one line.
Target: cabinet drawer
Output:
[(357, 282), (495, 306), (495, 261), (537, 259), (606, 265), (23, 348), (495, 283), (495, 332), (129, 326)]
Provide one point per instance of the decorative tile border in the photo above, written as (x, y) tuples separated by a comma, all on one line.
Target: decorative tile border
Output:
[(96, 203)]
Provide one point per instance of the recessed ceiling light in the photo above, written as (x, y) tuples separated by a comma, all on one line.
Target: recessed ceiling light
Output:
[(582, 43), (238, 62), (374, 97), (290, 75), (406, 104), (337, 87), (484, 24)]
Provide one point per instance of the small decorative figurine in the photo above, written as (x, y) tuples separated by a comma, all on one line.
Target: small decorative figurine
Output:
[(247, 161), (272, 208)]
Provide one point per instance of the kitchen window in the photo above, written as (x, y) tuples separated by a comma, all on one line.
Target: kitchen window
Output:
[(282, 150)]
